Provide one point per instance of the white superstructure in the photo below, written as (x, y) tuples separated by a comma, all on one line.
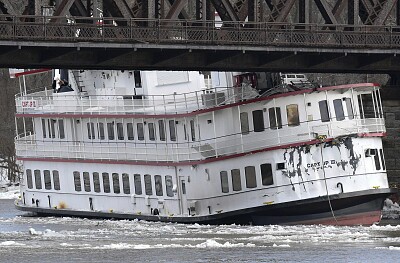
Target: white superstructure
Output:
[(162, 145)]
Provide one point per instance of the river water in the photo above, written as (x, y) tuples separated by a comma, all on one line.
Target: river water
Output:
[(38, 239)]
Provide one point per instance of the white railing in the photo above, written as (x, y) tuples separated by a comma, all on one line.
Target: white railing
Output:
[(73, 102), (29, 146)]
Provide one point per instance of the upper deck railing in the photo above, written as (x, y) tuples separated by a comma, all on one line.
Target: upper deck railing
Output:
[(80, 103), (205, 33)]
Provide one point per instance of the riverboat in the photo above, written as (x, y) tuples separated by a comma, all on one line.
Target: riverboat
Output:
[(226, 148)]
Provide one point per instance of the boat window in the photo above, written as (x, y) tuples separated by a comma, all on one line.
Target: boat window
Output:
[(172, 130), (244, 122), (291, 76), (366, 105), (250, 173), (192, 131), (224, 181), (90, 129), (61, 133), (100, 127), (38, 179), (377, 161), (52, 130), (382, 159), (169, 185), (161, 128), (300, 76), (138, 184), (349, 106), (47, 179), (292, 112), (116, 187), (29, 178), (152, 132), (125, 183), (236, 182), (110, 130), (138, 79), (266, 174), (86, 182), (258, 121), (338, 105), (120, 131), (56, 180), (96, 182), (147, 184), (275, 118), (106, 182), (324, 111), (129, 129), (140, 131), (158, 185), (184, 132), (183, 187), (44, 128), (77, 181)]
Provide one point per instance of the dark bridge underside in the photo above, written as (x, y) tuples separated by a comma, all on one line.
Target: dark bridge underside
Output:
[(86, 55)]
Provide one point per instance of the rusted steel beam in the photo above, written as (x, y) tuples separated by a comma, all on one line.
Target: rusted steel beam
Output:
[(380, 12), (326, 13), (176, 9), (118, 8), (140, 9), (63, 8), (79, 9), (281, 10), (225, 10), (8, 8)]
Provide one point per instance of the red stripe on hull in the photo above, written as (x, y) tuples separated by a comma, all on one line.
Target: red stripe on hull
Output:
[(365, 219)]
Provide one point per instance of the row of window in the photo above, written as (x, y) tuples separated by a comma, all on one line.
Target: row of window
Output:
[(103, 183), (378, 158), (53, 128), (51, 179), (292, 114), (250, 177)]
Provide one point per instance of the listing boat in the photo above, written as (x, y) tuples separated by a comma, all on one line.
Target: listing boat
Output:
[(179, 147)]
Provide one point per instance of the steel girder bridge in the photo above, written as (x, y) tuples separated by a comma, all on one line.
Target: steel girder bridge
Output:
[(256, 35)]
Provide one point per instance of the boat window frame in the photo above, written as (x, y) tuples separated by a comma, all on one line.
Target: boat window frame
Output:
[(56, 180), (116, 183), (292, 115), (138, 184), (275, 118), (106, 183), (96, 182), (169, 186), (250, 176), (86, 182), (158, 185), (148, 188), (244, 123), (224, 181), (267, 175), (258, 120), (324, 113), (126, 187), (339, 110), (236, 180), (47, 179), (77, 181), (29, 178)]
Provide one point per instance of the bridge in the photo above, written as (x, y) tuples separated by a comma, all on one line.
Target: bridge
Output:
[(248, 35)]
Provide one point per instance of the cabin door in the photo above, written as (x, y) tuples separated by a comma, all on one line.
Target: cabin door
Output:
[(183, 198)]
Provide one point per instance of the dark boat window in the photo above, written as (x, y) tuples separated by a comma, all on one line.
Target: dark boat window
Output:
[(120, 131), (138, 79), (129, 129), (90, 129), (158, 185), (172, 130), (77, 181), (52, 129), (56, 180), (183, 187), (152, 132), (47, 179), (258, 121), (339, 112), (29, 178), (110, 130), (61, 133), (100, 126), (147, 184), (169, 185), (366, 105), (96, 182), (44, 128), (292, 112), (266, 174), (116, 187), (138, 184), (275, 118), (140, 131), (236, 181), (250, 174), (125, 183), (224, 181), (86, 182), (324, 111), (382, 159), (377, 161), (192, 130), (106, 182), (38, 179), (244, 122), (161, 128), (349, 106)]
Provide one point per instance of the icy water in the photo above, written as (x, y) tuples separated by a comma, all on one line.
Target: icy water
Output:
[(38, 239)]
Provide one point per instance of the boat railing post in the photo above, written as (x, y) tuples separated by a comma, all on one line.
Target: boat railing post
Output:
[(197, 99), (186, 106), (174, 96), (164, 104)]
